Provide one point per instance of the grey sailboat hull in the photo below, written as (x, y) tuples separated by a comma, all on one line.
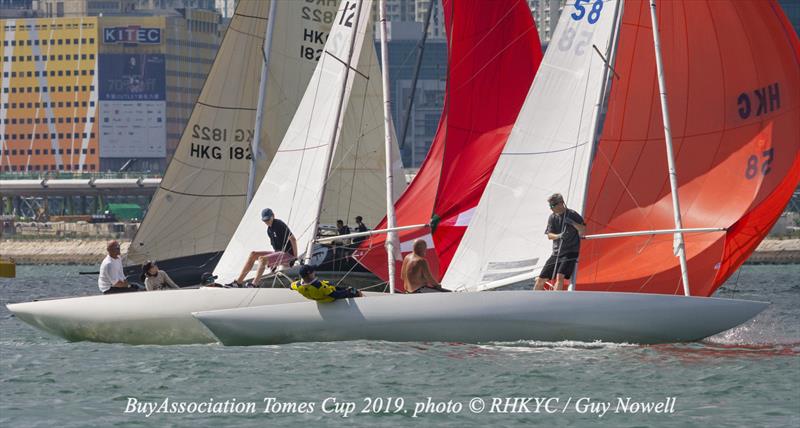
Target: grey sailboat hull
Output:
[(484, 317)]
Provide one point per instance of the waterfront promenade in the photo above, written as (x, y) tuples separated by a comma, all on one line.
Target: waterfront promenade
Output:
[(92, 251)]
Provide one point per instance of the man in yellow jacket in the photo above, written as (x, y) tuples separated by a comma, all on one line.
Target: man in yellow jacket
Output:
[(322, 291)]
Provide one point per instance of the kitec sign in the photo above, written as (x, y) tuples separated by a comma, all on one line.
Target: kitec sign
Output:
[(132, 34)]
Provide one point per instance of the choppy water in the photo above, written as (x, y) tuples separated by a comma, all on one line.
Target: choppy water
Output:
[(749, 376)]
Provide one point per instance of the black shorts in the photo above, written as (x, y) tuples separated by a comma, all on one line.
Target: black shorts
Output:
[(563, 264)]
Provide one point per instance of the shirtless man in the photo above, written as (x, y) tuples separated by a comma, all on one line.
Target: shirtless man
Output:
[(416, 274)]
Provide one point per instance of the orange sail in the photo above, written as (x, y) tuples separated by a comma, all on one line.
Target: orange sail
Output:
[(494, 53), (732, 71)]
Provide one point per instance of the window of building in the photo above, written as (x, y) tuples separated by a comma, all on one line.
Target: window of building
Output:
[(68, 57)]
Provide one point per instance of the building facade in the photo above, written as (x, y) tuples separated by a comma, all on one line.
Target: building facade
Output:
[(91, 94), (48, 119)]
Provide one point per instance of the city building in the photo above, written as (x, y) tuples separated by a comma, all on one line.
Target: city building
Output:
[(792, 10), (546, 14), (429, 97), (78, 8), (436, 29), (95, 93)]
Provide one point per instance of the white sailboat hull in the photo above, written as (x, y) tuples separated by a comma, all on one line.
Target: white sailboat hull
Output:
[(157, 317), (484, 317)]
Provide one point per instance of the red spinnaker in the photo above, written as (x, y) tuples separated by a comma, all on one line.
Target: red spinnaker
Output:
[(494, 52), (733, 86)]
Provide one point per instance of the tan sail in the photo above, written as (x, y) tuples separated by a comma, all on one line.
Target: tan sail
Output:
[(202, 196), (354, 183)]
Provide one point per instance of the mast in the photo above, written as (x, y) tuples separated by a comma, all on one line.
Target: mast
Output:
[(262, 89), (391, 238), (602, 102), (421, 50), (678, 243), (338, 120)]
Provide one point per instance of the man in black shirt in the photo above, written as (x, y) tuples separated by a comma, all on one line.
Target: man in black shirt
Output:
[(281, 239), (360, 227), (565, 228)]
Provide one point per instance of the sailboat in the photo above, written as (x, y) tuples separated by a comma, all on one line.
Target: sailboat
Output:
[(493, 55), (553, 147), (338, 123), (202, 196)]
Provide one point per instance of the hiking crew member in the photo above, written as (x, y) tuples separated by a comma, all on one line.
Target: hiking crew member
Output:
[(281, 239), (565, 228), (314, 288)]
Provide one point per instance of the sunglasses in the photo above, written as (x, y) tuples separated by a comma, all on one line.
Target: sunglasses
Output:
[(555, 204)]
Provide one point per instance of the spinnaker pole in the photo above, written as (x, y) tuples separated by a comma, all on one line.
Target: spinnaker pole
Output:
[(391, 238), (262, 89), (678, 243)]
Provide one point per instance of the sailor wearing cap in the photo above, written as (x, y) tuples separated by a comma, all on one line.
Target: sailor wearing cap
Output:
[(281, 239)]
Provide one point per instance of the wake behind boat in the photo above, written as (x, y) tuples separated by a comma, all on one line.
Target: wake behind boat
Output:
[(485, 317)]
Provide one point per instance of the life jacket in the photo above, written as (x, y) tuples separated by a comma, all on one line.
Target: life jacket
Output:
[(318, 290)]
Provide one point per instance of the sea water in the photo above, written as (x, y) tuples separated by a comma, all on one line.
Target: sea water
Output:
[(749, 376)]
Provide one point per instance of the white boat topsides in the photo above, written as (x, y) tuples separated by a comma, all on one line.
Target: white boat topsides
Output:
[(158, 317), (484, 317)]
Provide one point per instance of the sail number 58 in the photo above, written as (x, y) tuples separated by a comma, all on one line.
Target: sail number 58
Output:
[(766, 166), (593, 14)]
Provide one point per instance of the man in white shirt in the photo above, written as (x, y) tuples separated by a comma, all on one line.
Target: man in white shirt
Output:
[(112, 278)]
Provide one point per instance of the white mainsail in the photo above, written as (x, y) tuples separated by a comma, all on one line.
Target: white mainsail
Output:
[(298, 176), (202, 196), (549, 151)]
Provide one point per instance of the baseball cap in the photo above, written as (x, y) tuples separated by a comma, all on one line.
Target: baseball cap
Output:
[(267, 214), (305, 270)]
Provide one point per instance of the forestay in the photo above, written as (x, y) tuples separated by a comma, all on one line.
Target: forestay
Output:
[(202, 196), (299, 176), (549, 151)]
